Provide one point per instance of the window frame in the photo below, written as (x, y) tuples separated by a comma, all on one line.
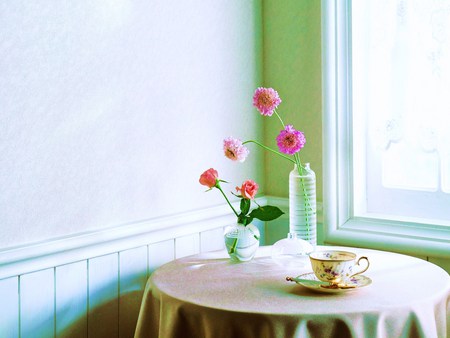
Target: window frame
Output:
[(340, 226)]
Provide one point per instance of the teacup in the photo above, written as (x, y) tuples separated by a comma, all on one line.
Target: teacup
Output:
[(334, 266)]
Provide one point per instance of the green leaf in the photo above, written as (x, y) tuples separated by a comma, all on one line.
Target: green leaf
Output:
[(245, 206), (266, 213), (244, 220)]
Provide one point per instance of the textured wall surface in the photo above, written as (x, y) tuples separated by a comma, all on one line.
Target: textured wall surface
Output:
[(110, 110), (292, 65)]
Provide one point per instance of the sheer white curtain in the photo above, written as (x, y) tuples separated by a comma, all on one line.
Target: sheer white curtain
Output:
[(401, 109)]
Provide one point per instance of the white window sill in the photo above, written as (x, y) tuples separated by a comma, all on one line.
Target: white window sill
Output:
[(408, 239)]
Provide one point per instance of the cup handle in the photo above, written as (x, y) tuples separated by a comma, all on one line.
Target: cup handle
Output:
[(357, 263)]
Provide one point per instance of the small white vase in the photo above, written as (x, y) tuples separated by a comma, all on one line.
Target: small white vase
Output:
[(241, 241), (302, 204)]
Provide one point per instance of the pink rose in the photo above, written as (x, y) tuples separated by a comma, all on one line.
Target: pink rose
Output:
[(248, 189), (209, 178)]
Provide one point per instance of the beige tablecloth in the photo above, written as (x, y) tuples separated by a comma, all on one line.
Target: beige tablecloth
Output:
[(207, 295)]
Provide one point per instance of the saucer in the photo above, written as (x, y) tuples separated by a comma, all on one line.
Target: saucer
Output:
[(310, 281)]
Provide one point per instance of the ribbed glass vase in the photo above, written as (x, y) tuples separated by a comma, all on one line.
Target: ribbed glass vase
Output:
[(302, 204)]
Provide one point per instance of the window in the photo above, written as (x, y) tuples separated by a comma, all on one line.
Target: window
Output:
[(387, 124)]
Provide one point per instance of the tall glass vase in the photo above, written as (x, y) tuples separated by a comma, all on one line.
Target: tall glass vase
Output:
[(302, 204)]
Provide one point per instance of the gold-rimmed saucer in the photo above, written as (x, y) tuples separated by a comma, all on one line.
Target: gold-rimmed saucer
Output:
[(310, 281)]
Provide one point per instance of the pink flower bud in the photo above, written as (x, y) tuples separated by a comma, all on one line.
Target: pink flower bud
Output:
[(209, 178)]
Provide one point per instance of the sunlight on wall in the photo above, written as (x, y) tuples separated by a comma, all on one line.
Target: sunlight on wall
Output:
[(112, 109), (292, 65)]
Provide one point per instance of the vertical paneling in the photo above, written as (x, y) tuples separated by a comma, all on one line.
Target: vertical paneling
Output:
[(103, 315), (211, 240), (187, 245), (71, 300), (37, 304), (99, 297), (132, 278), (9, 307), (160, 253)]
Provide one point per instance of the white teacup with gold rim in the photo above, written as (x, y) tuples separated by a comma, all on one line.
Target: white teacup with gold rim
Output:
[(336, 266)]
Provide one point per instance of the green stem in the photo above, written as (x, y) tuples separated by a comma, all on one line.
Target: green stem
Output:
[(279, 117), (299, 164), (233, 247), (226, 198), (270, 149)]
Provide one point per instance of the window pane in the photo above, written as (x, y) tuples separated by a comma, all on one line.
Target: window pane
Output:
[(401, 109)]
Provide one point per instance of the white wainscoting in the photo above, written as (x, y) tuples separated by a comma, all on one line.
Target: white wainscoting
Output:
[(91, 285)]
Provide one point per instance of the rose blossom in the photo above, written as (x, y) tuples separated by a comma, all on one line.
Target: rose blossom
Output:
[(266, 100), (248, 189), (209, 178), (234, 149), (290, 141)]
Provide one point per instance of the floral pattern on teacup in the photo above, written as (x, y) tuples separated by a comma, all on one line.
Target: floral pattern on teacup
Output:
[(336, 266), (331, 273)]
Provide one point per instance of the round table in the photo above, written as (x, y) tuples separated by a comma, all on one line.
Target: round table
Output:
[(207, 295)]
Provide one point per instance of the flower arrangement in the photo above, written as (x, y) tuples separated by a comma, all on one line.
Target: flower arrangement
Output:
[(289, 141), (246, 192)]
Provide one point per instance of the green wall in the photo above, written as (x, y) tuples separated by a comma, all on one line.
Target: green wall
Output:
[(292, 66)]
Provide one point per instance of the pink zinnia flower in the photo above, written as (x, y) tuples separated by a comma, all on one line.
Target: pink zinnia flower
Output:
[(234, 149), (248, 189), (290, 141), (266, 100)]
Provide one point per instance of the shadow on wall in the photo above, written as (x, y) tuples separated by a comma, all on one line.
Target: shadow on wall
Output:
[(104, 320)]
